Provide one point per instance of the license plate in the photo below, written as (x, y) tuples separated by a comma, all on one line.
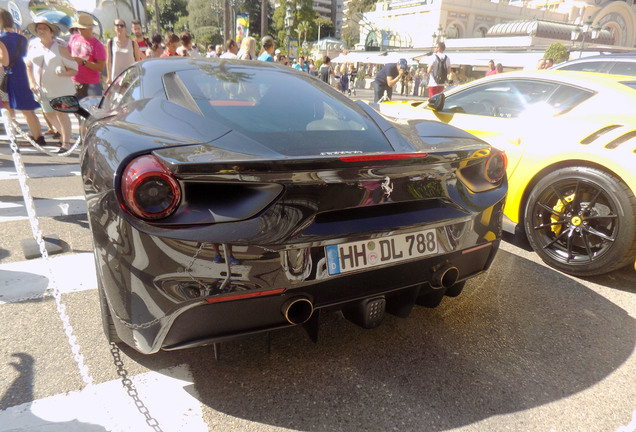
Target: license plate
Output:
[(347, 257)]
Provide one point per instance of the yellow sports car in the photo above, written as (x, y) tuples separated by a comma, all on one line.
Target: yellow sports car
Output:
[(570, 139)]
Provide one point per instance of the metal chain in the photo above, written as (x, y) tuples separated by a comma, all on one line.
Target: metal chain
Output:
[(17, 130), (55, 292), (131, 390), (130, 325), (37, 234)]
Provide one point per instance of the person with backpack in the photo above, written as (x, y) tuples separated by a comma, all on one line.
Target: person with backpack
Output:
[(388, 76), (438, 70)]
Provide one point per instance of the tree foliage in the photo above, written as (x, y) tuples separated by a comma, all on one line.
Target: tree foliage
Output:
[(360, 6), (557, 52), (201, 14), (209, 35), (326, 27), (351, 35), (169, 12), (304, 16)]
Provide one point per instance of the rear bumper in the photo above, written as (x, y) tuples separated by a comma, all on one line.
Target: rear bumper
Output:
[(227, 320), (159, 289)]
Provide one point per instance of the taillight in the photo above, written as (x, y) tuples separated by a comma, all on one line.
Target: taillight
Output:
[(496, 166), (149, 189), (484, 171)]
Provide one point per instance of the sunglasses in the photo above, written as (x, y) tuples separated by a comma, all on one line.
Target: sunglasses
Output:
[(120, 25)]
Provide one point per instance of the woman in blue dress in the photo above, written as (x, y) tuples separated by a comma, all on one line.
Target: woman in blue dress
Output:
[(19, 90)]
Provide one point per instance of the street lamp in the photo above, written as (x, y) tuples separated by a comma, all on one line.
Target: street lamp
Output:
[(440, 36), (289, 23), (588, 29)]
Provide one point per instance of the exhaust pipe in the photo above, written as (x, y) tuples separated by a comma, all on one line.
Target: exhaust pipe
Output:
[(297, 310), (445, 277)]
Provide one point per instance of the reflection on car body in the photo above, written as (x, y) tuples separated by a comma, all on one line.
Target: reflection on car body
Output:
[(228, 197)]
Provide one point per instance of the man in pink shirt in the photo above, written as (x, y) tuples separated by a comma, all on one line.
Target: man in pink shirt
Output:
[(90, 55)]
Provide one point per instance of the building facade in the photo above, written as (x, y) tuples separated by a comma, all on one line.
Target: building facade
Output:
[(417, 23)]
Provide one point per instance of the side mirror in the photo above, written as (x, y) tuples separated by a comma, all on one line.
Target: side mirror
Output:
[(436, 103), (68, 104)]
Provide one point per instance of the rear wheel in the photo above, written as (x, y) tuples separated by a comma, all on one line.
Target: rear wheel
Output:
[(582, 221), (107, 318)]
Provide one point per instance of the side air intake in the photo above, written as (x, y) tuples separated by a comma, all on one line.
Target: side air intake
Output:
[(599, 133)]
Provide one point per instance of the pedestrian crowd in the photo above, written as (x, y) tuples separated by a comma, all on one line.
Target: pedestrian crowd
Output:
[(35, 71), (45, 67)]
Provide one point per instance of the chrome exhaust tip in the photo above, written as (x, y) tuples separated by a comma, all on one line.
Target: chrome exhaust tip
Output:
[(297, 310), (445, 277)]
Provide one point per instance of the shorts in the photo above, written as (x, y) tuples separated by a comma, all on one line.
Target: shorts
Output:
[(432, 91)]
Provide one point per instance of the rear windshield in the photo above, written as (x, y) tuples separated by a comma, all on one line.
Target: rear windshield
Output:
[(291, 113)]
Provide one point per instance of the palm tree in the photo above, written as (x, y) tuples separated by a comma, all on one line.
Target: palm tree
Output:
[(264, 12)]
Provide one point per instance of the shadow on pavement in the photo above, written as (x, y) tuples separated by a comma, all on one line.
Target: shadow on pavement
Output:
[(623, 279), (502, 346), (21, 389)]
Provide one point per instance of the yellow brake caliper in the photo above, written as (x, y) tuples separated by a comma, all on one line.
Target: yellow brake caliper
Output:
[(560, 207)]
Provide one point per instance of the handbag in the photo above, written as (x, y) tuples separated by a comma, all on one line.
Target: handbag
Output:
[(4, 81)]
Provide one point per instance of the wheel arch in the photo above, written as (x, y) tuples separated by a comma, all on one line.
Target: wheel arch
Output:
[(521, 210)]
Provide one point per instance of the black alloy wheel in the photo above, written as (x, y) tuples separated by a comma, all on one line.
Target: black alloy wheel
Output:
[(582, 221)]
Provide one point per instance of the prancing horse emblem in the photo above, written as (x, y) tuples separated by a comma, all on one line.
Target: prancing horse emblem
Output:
[(387, 187)]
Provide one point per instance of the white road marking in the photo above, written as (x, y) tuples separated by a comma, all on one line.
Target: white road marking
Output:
[(59, 206), (30, 279), (108, 406), (42, 171)]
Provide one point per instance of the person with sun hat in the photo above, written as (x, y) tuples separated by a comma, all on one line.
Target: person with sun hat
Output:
[(90, 55)]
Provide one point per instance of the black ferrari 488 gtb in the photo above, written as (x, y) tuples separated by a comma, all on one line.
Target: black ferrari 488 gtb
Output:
[(230, 197)]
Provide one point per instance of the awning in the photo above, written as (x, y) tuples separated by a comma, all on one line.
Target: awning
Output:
[(379, 57), (516, 60), (353, 57)]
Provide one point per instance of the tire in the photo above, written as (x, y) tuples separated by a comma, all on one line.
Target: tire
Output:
[(107, 318), (582, 221)]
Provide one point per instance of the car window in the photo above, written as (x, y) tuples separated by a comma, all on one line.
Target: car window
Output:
[(624, 68), (291, 113), (504, 98), (124, 89), (567, 97), (596, 66)]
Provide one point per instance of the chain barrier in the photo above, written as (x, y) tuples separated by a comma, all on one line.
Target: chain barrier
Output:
[(16, 130), (131, 390), (52, 289)]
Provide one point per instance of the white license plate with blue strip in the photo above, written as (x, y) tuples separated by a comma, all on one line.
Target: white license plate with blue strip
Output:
[(348, 257)]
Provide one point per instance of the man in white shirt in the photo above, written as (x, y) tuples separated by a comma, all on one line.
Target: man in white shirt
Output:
[(231, 48), (435, 87)]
